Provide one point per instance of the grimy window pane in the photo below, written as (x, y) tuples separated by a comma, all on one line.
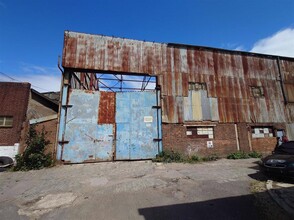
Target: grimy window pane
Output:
[(1, 121), (9, 121)]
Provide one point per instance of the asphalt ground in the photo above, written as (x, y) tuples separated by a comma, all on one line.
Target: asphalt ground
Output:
[(132, 190)]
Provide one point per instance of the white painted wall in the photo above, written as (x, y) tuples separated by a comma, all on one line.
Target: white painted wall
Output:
[(9, 151)]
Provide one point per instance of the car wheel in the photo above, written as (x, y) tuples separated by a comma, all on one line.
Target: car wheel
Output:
[(5, 163)]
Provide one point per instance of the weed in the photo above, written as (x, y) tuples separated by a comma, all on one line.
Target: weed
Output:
[(238, 155), (176, 157), (243, 155), (255, 154), (34, 157), (169, 157), (191, 159), (212, 157)]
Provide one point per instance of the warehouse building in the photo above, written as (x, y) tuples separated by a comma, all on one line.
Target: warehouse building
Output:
[(126, 99)]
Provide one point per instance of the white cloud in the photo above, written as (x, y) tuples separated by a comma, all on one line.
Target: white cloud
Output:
[(281, 43), (240, 48), (42, 79), (42, 83), (233, 46)]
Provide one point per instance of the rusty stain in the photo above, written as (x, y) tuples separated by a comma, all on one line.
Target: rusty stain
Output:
[(227, 74), (106, 113)]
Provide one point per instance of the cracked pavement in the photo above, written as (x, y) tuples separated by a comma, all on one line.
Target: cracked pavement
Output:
[(131, 190)]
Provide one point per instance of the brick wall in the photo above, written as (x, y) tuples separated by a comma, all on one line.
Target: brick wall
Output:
[(51, 130), (264, 145), (224, 142), (268, 144), (13, 102)]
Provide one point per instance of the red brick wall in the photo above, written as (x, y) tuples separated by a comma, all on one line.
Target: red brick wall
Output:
[(224, 142), (13, 102), (51, 130), (264, 145)]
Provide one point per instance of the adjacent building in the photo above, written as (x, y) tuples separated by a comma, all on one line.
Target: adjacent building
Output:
[(20, 106)]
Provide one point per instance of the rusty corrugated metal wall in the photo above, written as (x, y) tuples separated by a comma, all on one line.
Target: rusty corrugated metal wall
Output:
[(227, 74)]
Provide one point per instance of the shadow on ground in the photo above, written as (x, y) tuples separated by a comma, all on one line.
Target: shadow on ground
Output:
[(240, 207), (256, 206)]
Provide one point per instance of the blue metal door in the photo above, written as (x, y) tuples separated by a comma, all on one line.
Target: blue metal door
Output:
[(85, 139), (93, 119), (138, 125)]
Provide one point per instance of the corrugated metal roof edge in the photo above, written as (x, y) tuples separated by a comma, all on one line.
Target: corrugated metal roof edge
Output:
[(55, 104), (228, 51), (122, 38), (194, 46)]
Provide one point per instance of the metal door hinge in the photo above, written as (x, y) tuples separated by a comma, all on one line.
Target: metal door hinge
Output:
[(66, 106), (157, 139), (63, 142)]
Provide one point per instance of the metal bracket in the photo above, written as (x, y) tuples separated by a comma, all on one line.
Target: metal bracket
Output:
[(63, 142), (156, 106), (157, 139), (66, 106)]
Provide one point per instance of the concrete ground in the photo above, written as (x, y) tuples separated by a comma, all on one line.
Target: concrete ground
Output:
[(131, 190)]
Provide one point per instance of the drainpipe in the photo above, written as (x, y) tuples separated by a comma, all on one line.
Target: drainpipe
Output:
[(249, 139), (237, 137), (158, 114), (62, 112), (281, 81), (61, 70), (59, 108)]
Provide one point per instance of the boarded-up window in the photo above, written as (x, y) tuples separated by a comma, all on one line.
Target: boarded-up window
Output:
[(257, 91), (197, 86), (289, 90), (200, 132), (262, 132), (198, 106), (6, 121)]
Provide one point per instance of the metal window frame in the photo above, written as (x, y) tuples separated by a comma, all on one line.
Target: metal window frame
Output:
[(197, 136), (4, 125)]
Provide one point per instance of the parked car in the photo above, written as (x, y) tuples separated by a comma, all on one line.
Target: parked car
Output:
[(281, 162), (5, 163)]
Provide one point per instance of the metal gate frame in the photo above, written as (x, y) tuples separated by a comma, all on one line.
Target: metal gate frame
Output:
[(63, 115)]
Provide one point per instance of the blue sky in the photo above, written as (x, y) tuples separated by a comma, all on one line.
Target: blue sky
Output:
[(31, 31)]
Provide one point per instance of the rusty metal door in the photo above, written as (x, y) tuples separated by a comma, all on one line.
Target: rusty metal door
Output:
[(86, 140), (138, 125), (93, 119)]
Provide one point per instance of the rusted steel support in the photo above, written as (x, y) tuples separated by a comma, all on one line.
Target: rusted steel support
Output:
[(282, 81)]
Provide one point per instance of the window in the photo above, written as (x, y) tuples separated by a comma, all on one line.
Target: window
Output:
[(200, 132), (262, 132), (257, 91), (197, 86), (6, 121)]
